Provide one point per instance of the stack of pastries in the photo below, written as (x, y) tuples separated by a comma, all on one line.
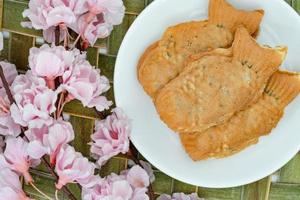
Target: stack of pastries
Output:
[(214, 85)]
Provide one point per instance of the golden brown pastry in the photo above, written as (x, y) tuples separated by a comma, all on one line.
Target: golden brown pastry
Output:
[(247, 126), (164, 60), (217, 84)]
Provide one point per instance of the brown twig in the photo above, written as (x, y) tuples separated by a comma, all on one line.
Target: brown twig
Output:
[(6, 86), (60, 104), (23, 129), (78, 45), (57, 35), (100, 114)]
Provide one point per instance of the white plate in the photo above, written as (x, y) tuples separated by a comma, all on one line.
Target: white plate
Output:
[(160, 145)]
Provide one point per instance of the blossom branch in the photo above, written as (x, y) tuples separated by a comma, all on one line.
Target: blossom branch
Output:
[(6, 86), (44, 159), (100, 114), (57, 35), (60, 105)]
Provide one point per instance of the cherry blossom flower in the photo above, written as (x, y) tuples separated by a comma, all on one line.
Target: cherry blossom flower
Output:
[(45, 14), (10, 186), (179, 196), (85, 84), (20, 155), (72, 167), (117, 190), (53, 137), (91, 19), (111, 136), (34, 101), (51, 62), (120, 187), (99, 21)]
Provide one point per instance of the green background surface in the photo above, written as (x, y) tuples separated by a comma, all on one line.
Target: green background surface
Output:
[(282, 185)]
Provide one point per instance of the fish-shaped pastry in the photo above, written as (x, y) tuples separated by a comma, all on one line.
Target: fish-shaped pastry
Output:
[(215, 85), (245, 128), (164, 60)]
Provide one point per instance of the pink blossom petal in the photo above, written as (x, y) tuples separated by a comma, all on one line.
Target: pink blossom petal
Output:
[(113, 10), (3, 163), (45, 101), (36, 150), (7, 125), (17, 157), (16, 115), (59, 134), (48, 64), (138, 177), (100, 103), (121, 189), (71, 167), (10, 186), (140, 194), (48, 34), (78, 6), (84, 91), (15, 154), (37, 133), (8, 193), (11, 179), (60, 14)]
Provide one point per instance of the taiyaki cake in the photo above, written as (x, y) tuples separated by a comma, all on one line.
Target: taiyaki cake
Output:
[(215, 85), (245, 128), (164, 60)]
